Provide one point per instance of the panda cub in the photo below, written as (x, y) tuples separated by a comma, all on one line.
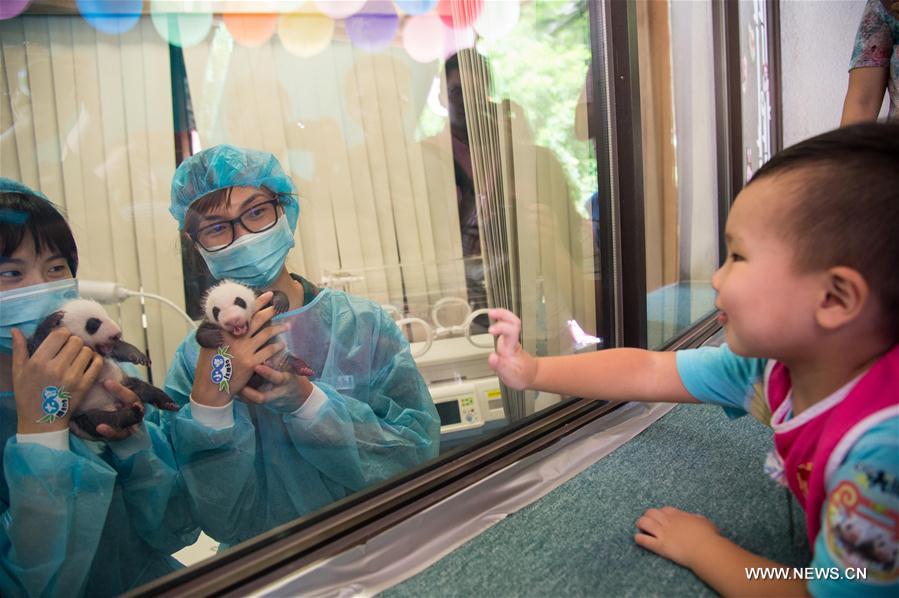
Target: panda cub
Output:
[(230, 306), (90, 322)]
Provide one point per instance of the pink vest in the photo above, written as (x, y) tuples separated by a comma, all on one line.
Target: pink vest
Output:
[(812, 451)]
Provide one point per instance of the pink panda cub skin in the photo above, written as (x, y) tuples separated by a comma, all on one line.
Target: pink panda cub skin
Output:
[(90, 322), (230, 306)]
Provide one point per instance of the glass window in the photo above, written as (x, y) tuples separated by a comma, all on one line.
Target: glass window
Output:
[(677, 87), (442, 164)]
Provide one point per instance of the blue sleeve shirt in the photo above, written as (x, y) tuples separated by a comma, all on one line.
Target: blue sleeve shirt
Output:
[(860, 517)]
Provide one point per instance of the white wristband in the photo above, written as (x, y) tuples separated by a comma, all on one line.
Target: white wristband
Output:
[(217, 418), (58, 439), (312, 405)]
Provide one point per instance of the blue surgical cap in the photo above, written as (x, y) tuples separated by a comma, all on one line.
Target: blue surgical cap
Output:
[(11, 186), (223, 166), (15, 217)]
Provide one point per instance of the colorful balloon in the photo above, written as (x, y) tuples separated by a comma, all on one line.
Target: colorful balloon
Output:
[(423, 37), (12, 8), (110, 16), (339, 9), (497, 19), (459, 14), (183, 29), (416, 7), (251, 30), (305, 34), (373, 28)]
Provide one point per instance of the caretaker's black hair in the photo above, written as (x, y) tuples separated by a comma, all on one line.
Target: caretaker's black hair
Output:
[(22, 214)]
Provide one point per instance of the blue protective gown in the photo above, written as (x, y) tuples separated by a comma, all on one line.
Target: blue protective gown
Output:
[(83, 521), (271, 467)]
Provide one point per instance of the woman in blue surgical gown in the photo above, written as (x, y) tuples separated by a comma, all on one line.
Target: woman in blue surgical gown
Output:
[(77, 517), (298, 443)]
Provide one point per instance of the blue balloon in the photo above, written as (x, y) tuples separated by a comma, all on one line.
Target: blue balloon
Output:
[(111, 16), (416, 7)]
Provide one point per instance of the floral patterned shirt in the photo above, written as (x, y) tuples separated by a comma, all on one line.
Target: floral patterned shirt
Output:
[(877, 45)]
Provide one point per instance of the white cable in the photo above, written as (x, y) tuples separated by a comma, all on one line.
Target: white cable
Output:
[(164, 300), (112, 292)]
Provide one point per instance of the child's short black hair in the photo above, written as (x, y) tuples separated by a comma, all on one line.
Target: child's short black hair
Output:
[(847, 212), (22, 214)]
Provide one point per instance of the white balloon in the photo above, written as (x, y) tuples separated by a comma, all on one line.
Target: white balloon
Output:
[(339, 9), (497, 18), (423, 37)]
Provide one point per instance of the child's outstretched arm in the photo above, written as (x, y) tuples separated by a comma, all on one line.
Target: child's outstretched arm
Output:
[(613, 374)]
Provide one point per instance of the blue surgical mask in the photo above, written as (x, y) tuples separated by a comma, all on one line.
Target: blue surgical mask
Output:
[(254, 259), (26, 307)]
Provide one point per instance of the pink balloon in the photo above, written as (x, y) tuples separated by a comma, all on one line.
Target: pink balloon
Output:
[(12, 8), (423, 37), (459, 14)]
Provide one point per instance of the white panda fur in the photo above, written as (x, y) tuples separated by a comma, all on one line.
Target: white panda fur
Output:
[(76, 314), (89, 321), (230, 306)]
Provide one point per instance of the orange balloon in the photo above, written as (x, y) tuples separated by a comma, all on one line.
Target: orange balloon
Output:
[(251, 30)]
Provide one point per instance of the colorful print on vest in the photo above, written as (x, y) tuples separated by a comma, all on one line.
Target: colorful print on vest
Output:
[(814, 444)]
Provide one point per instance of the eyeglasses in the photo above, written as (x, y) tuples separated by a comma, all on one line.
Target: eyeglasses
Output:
[(257, 219)]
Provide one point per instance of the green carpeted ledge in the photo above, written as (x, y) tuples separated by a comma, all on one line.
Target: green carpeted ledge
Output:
[(578, 540)]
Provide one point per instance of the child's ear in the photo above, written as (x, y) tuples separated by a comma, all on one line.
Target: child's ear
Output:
[(845, 294)]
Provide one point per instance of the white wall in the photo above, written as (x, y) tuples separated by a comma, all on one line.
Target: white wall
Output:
[(817, 37)]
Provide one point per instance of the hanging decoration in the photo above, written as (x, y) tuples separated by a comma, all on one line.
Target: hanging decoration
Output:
[(110, 16), (12, 8), (497, 19), (431, 29), (374, 26), (423, 37), (305, 33), (183, 29), (416, 7), (339, 9), (251, 30), (459, 14)]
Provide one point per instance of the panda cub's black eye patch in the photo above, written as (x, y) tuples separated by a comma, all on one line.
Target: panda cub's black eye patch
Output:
[(92, 325), (239, 302), (215, 313)]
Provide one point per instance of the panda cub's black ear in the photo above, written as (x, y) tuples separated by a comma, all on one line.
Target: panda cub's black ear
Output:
[(43, 330)]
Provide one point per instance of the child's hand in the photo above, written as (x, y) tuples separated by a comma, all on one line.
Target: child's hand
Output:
[(516, 367), (674, 534)]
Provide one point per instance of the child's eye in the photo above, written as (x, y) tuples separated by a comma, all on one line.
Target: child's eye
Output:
[(736, 257), (10, 274), (59, 269)]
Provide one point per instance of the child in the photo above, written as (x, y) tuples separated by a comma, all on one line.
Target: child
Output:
[(809, 300)]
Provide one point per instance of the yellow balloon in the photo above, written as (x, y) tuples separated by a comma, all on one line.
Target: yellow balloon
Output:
[(304, 33)]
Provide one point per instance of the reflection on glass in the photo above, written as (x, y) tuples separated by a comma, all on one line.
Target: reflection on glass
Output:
[(679, 167), (442, 167)]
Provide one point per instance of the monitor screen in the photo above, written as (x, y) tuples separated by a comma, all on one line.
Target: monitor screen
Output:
[(449, 413)]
